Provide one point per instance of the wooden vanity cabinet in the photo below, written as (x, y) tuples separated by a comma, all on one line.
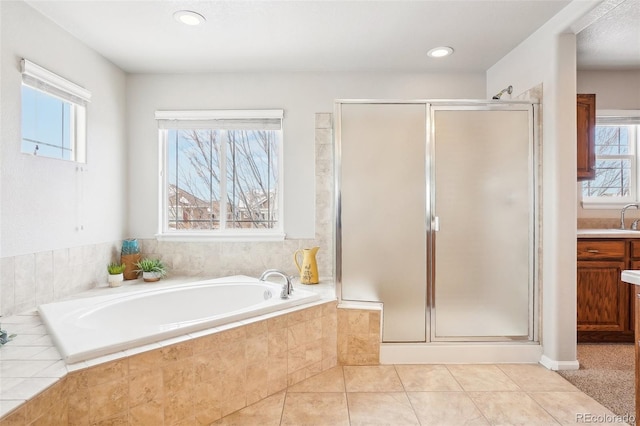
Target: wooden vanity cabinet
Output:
[(603, 302), (586, 136)]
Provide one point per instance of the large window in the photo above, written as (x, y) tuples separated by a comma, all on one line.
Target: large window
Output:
[(617, 151), (53, 115), (221, 173)]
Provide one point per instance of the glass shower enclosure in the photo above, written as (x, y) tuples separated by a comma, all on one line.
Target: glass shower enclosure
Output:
[(436, 212)]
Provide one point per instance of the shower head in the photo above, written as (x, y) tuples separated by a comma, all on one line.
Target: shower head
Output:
[(508, 90)]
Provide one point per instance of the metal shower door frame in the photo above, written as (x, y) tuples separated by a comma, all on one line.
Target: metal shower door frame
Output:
[(431, 106), (532, 109)]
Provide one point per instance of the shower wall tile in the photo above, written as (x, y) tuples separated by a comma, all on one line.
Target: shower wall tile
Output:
[(323, 120)]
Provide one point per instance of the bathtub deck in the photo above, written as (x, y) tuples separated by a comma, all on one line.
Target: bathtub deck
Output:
[(30, 363)]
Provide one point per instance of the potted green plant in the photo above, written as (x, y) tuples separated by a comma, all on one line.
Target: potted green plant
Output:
[(152, 269), (116, 274)]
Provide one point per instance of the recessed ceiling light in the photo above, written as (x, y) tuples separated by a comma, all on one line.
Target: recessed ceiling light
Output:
[(189, 17), (440, 52)]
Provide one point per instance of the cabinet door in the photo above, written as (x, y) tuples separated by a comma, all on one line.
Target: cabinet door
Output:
[(586, 136), (603, 299)]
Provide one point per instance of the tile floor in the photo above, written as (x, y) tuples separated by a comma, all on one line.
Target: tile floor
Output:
[(523, 394)]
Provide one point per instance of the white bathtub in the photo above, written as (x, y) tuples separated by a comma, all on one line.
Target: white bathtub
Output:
[(95, 326)]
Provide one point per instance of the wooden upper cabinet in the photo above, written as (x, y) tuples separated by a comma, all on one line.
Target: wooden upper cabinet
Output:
[(586, 120)]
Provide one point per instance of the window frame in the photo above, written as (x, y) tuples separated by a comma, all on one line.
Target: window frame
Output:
[(198, 120), (54, 86), (620, 118)]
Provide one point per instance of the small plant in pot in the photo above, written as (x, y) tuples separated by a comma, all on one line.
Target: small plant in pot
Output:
[(152, 269), (116, 274)]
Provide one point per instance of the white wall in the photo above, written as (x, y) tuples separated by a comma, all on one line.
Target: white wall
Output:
[(44, 201), (301, 95), (549, 57), (614, 90)]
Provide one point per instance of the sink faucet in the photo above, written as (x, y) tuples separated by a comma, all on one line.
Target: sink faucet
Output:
[(287, 288), (622, 213)]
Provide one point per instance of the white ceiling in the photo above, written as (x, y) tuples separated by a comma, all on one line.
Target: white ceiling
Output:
[(613, 40), (306, 35)]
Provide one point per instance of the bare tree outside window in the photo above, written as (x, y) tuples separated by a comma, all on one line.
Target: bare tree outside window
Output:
[(614, 163), (222, 179)]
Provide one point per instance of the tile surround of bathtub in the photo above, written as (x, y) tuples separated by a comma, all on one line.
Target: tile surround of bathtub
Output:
[(32, 279), (196, 381)]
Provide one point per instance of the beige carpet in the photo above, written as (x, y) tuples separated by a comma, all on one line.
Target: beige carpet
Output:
[(607, 375)]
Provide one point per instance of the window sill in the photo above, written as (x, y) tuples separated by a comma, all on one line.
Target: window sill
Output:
[(221, 237)]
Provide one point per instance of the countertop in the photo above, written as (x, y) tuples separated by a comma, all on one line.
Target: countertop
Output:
[(631, 276), (608, 233)]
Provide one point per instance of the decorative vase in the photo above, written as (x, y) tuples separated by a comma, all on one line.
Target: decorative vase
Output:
[(151, 276), (130, 256), (309, 267), (115, 280)]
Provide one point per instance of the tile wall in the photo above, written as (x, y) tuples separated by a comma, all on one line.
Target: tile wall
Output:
[(603, 223), (359, 336), (29, 280), (32, 279)]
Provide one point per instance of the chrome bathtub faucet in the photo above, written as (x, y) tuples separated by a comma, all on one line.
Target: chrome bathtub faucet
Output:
[(287, 288)]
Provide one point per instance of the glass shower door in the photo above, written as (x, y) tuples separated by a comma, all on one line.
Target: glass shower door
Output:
[(482, 192)]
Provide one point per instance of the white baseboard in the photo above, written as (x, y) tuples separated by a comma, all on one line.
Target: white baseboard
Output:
[(460, 353), (552, 364)]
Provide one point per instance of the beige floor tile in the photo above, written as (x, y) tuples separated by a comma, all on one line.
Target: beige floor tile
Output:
[(390, 408), (316, 409), (446, 409), (572, 408), (416, 378), (265, 412), (534, 377), (511, 408), (482, 378), (372, 378), (331, 380)]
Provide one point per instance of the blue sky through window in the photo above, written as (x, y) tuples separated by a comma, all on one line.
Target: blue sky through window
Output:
[(46, 123)]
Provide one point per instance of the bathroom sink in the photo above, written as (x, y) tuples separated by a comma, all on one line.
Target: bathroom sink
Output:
[(608, 233)]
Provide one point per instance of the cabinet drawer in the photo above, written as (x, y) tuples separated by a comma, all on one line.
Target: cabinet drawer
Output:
[(590, 250)]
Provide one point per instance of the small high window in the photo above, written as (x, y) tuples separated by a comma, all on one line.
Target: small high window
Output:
[(53, 115), (221, 174)]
